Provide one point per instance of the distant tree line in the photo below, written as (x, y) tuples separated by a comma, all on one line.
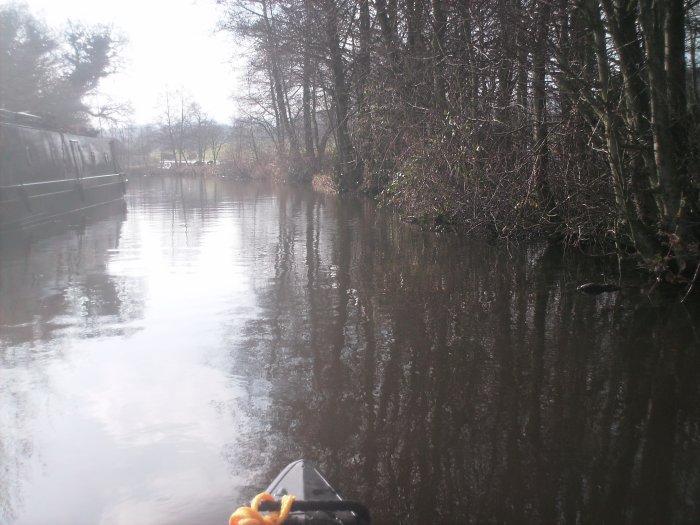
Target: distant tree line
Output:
[(187, 133), (573, 119), (51, 74)]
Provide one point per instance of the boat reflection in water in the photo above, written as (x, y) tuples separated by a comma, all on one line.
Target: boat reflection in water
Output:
[(44, 267), (45, 173), (53, 290)]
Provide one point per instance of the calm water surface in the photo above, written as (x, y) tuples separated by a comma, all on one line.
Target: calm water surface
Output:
[(160, 364)]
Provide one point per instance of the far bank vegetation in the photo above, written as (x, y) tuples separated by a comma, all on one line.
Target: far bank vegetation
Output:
[(576, 120)]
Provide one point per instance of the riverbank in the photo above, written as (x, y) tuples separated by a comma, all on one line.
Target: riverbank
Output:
[(435, 204)]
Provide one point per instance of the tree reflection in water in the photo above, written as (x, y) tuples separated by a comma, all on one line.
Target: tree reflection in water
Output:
[(443, 381), (437, 380)]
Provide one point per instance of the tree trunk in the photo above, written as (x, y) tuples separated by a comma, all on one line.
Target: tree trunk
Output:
[(279, 91), (363, 59), (694, 100), (279, 128), (306, 111), (636, 231), (347, 169), (652, 18), (677, 96), (386, 28), (539, 101), (439, 45), (641, 166)]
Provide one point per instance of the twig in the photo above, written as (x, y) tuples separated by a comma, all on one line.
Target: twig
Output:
[(692, 283)]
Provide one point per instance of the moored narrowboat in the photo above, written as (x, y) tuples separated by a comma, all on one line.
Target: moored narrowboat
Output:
[(46, 173)]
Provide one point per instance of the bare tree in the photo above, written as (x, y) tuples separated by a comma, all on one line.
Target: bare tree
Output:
[(572, 119)]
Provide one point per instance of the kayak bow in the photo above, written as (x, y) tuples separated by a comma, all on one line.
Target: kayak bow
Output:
[(316, 502)]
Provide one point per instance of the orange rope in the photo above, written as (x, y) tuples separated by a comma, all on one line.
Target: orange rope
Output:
[(251, 515)]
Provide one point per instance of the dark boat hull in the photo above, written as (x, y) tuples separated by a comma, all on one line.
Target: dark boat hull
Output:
[(316, 501), (45, 174), (304, 481)]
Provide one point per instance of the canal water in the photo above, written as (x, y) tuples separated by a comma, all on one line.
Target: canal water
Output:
[(161, 361)]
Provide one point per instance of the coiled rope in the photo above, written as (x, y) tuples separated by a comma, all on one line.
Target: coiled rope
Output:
[(251, 515)]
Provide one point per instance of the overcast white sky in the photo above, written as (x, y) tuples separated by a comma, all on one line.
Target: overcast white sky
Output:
[(172, 45)]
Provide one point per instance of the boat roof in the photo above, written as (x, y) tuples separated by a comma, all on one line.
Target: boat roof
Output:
[(20, 117)]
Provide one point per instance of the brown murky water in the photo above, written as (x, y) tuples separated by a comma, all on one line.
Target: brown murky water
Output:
[(159, 365)]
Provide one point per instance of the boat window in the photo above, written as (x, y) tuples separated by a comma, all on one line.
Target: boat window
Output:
[(78, 158), (66, 155), (53, 151), (80, 154)]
